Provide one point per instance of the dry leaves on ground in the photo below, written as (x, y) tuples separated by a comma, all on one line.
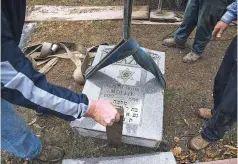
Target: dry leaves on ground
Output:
[(185, 157), (192, 156), (230, 150), (223, 152), (176, 151)]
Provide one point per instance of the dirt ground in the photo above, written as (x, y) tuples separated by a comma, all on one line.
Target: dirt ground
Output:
[(189, 87), (85, 2)]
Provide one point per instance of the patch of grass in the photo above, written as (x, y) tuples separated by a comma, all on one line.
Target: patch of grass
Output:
[(170, 93)]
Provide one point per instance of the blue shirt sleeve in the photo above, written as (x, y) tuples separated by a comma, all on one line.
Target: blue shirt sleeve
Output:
[(231, 13), (21, 84)]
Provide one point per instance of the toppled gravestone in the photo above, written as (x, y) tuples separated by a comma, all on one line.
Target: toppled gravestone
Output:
[(28, 30), (132, 88), (154, 158)]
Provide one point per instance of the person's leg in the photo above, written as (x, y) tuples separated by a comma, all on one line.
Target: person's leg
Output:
[(209, 14), (189, 22), (220, 82), (18, 140), (16, 137), (221, 79), (225, 114)]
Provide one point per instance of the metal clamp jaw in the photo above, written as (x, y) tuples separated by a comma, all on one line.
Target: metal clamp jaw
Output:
[(128, 47)]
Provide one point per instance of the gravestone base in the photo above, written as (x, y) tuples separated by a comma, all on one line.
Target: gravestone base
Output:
[(164, 16), (130, 87), (153, 158), (125, 139)]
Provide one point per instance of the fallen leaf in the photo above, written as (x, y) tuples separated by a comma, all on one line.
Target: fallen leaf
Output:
[(176, 151), (185, 121), (176, 139), (38, 126), (218, 158), (211, 155), (230, 147), (227, 153), (33, 121), (200, 131), (234, 153), (203, 151), (192, 157), (182, 157), (230, 151), (184, 162)]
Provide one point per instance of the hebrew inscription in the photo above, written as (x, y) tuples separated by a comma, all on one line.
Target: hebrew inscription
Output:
[(128, 98)]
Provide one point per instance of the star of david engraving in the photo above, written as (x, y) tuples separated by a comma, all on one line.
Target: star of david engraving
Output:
[(125, 75)]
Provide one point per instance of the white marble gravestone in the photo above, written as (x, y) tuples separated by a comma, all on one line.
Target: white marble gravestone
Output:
[(127, 85), (153, 158)]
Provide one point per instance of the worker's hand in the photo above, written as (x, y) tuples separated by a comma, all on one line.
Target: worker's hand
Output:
[(103, 112), (219, 29)]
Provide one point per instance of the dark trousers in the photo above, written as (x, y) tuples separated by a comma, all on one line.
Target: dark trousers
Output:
[(202, 15), (224, 113)]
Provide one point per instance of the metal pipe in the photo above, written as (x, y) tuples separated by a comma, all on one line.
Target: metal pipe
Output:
[(127, 19), (159, 11)]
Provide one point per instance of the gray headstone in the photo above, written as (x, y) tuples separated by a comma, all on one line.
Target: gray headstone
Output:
[(127, 85), (155, 158), (27, 32)]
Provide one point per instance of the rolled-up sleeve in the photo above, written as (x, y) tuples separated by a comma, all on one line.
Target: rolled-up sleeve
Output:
[(231, 13)]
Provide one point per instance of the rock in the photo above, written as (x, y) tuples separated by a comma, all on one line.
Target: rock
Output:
[(28, 30)]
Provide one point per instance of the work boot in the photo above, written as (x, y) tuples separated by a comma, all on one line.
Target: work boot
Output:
[(170, 42), (204, 113), (191, 57), (50, 154), (198, 143)]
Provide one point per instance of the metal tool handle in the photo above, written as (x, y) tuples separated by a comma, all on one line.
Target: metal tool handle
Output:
[(127, 19), (160, 7), (114, 132)]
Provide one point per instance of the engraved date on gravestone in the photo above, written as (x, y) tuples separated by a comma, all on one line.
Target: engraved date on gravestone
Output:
[(130, 98)]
